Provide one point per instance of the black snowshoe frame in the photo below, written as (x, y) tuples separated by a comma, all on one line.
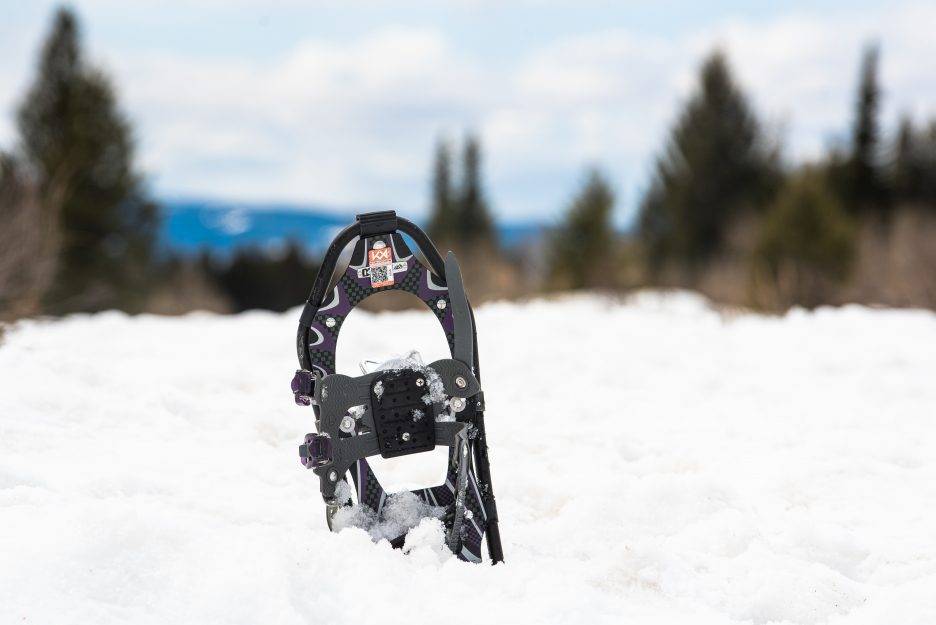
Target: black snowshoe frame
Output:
[(398, 411)]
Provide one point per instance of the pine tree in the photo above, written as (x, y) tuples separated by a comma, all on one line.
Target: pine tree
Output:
[(906, 169), (914, 164), (82, 150), (442, 221), (807, 240), (865, 187), (474, 226), (716, 164), (252, 277), (582, 247)]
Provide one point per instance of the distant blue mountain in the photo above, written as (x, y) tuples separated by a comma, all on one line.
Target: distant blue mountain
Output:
[(189, 226)]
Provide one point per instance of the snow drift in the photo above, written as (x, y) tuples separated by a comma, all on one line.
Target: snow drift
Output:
[(655, 462)]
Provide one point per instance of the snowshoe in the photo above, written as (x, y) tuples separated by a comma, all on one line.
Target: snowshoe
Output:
[(405, 409)]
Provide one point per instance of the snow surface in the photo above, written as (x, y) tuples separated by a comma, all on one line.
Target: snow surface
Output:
[(402, 512), (655, 461)]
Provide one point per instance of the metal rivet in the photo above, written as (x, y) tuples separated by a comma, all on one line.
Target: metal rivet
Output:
[(405, 436), (420, 381), (330, 322), (458, 404), (461, 382), (441, 304), (333, 476)]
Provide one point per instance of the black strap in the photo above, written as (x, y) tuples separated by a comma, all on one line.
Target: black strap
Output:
[(381, 222)]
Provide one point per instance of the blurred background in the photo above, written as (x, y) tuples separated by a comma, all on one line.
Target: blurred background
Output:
[(174, 156)]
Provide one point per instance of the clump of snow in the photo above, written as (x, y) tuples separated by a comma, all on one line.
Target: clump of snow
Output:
[(425, 543), (446, 414), (404, 511), (738, 470), (400, 513), (413, 360), (343, 492), (360, 516)]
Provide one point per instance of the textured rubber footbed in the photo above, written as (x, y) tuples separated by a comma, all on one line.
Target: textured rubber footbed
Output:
[(404, 422)]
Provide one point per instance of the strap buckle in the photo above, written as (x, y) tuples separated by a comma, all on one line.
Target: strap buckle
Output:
[(303, 387), (316, 450), (380, 222)]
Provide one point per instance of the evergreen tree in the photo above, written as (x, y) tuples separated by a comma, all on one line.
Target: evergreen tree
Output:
[(716, 164), (474, 224), (81, 148), (582, 249), (443, 217), (807, 240), (914, 165), (906, 169), (865, 185), (253, 279)]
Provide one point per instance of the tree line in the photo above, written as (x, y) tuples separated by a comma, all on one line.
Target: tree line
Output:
[(83, 227), (724, 212), (721, 197), (79, 229)]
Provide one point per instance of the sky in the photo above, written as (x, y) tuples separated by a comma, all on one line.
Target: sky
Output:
[(340, 104)]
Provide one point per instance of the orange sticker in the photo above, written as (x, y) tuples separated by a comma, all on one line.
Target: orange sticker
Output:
[(380, 262), (380, 257)]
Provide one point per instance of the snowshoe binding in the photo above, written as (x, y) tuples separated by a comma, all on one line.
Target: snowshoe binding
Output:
[(404, 409)]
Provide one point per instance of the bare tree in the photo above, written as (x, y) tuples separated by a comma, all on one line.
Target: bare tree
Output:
[(29, 240)]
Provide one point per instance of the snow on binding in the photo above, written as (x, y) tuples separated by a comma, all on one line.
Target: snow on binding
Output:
[(403, 408)]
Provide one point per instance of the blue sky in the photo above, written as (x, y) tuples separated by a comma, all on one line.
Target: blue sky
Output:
[(340, 104)]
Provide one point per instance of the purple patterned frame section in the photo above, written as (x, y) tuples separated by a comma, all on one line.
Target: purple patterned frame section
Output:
[(352, 289)]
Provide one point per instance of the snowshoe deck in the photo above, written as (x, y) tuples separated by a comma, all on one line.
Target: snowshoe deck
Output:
[(403, 410)]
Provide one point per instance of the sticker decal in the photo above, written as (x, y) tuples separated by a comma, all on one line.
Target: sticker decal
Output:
[(380, 264), (399, 266)]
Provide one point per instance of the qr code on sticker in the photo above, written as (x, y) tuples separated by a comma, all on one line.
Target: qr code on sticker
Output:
[(381, 275)]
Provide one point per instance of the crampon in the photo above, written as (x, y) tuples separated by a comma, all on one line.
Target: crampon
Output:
[(403, 409)]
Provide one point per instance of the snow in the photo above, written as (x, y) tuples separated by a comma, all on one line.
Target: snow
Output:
[(425, 543), (655, 461), (401, 512), (414, 360)]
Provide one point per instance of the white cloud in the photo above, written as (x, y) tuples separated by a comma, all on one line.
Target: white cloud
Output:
[(803, 70), (352, 121), (334, 122), (610, 96)]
